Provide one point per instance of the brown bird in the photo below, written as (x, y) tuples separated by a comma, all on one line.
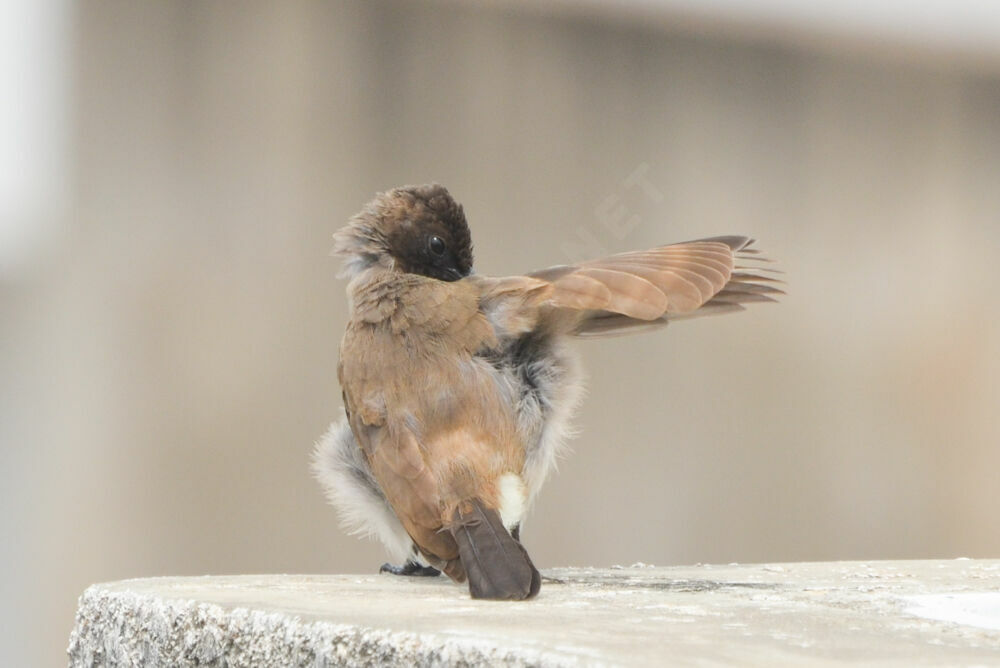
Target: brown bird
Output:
[(458, 388)]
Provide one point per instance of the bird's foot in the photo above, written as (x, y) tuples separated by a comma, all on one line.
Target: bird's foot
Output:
[(410, 568)]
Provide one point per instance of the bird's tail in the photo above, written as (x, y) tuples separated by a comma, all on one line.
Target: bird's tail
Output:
[(498, 566)]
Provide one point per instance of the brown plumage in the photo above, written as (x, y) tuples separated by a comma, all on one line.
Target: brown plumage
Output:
[(451, 379)]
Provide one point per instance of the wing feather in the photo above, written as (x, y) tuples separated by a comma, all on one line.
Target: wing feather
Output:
[(576, 290), (640, 289), (629, 293)]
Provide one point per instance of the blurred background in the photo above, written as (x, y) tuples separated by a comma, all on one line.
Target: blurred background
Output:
[(171, 174)]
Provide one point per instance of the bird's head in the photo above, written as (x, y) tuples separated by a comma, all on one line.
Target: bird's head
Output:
[(412, 229)]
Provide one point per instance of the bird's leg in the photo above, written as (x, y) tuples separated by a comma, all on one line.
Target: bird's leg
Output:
[(411, 567)]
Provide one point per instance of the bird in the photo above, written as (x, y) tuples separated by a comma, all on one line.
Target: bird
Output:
[(459, 388)]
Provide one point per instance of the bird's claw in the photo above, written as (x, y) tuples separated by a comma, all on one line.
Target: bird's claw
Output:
[(410, 568)]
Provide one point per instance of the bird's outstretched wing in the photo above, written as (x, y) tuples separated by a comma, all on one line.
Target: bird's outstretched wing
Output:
[(639, 289)]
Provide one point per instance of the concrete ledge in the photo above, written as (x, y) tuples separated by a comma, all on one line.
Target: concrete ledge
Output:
[(892, 613)]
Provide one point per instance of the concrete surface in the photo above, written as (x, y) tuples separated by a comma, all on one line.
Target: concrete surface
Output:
[(891, 613)]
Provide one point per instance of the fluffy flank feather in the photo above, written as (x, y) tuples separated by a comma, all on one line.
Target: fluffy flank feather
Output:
[(341, 469)]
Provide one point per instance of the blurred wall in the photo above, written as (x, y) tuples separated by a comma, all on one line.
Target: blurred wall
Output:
[(168, 363)]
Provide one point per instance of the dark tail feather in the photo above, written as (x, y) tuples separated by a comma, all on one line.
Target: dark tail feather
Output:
[(498, 566)]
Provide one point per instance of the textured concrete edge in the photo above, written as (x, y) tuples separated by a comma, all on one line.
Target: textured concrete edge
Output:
[(122, 628)]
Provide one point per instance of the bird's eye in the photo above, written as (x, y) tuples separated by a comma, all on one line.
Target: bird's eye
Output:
[(436, 244)]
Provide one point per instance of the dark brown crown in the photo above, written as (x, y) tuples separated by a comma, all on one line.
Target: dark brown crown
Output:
[(396, 228)]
